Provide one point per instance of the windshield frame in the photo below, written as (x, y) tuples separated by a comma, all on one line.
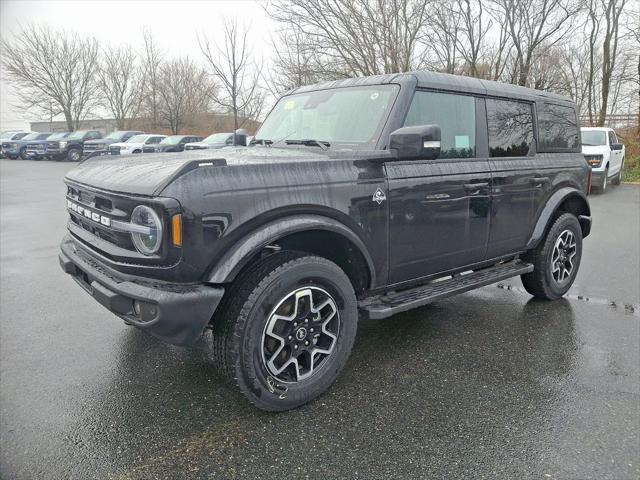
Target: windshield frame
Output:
[(396, 91)]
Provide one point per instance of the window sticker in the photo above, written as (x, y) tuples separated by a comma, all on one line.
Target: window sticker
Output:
[(289, 105), (462, 141)]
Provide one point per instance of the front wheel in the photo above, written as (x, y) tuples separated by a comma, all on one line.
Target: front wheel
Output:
[(555, 260), (23, 154), (286, 329), (618, 178), (74, 155)]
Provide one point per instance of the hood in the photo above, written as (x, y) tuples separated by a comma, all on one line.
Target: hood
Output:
[(148, 174), (595, 149), (123, 144), (205, 145), (98, 141)]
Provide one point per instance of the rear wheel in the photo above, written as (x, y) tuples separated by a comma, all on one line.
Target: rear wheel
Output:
[(286, 329), (555, 260)]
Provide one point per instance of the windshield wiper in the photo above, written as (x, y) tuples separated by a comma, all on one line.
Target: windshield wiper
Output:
[(309, 143)]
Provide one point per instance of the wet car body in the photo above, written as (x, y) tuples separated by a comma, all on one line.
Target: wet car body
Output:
[(396, 210)]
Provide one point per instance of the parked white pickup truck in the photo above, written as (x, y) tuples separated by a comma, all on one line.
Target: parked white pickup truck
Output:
[(605, 154)]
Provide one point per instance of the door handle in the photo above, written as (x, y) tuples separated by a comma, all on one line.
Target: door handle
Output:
[(539, 180), (469, 187)]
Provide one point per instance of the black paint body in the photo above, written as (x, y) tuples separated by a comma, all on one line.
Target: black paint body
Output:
[(436, 216)]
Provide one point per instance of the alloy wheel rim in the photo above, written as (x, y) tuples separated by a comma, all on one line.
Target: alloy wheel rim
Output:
[(563, 257), (300, 335), (74, 155)]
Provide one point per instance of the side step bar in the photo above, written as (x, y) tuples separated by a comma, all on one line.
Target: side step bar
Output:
[(386, 305)]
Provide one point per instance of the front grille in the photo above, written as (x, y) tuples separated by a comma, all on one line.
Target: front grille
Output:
[(100, 203), (92, 147), (53, 146), (114, 150), (36, 147)]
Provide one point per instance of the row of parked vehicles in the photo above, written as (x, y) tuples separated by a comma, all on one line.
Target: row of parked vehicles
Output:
[(600, 146), (74, 146)]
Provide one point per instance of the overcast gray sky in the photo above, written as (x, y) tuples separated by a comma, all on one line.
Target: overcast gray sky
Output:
[(174, 24)]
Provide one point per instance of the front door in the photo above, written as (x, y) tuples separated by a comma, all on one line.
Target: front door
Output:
[(616, 155), (439, 209)]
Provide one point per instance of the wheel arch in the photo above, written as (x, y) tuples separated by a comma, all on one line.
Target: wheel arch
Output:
[(314, 234), (566, 199)]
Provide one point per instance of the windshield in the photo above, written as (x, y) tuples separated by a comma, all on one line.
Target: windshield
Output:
[(591, 138), (172, 140), (78, 135), (115, 135), (137, 139), (32, 136), (58, 136), (351, 116), (217, 138), (7, 135)]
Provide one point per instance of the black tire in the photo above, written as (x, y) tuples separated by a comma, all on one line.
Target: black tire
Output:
[(541, 282), (246, 310), (74, 155), (23, 154), (618, 178)]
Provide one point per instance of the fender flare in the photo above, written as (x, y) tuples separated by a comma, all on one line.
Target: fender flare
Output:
[(230, 264), (550, 209)]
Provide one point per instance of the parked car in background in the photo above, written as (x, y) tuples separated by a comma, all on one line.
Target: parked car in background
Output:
[(605, 154), (18, 148), (37, 149), (135, 144), (173, 143), (70, 148), (9, 136), (217, 140), (102, 145)]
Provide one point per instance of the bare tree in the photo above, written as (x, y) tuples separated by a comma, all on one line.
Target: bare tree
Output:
[(183, 93), (120, 80), (152, 63), (532, 25), (235, 73), (54, 71), (475, 25), (612, 9), (359, 37)]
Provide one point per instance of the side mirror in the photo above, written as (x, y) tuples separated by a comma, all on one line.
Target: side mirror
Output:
[(616, 146), (414, 143)]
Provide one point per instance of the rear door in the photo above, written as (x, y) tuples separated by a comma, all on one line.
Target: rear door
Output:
[(516, 177), (439, 209)]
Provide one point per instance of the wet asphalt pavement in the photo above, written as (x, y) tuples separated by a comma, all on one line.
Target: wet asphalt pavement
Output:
[(489, 384)]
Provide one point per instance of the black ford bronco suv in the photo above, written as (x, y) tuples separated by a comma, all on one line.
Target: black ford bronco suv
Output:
[(357, 198)]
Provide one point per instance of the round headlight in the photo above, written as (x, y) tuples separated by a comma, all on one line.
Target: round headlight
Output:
[(147, 243)]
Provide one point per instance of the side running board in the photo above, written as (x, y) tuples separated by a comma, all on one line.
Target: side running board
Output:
[(386, 305)]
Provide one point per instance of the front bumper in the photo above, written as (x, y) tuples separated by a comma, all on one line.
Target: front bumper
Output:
[(597, 176), (175, 313)]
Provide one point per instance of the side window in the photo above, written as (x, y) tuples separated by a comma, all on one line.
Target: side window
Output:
[(94, 135), (558, 128), (456, 115), (153, 140), (612, 138), (510, 127), (127, 136)]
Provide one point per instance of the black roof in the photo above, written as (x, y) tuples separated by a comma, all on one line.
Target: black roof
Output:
[(442, 81)]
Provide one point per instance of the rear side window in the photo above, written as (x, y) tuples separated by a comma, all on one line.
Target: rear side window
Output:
[(612, 138), (558, 128), (456, 116), (510, 127)]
